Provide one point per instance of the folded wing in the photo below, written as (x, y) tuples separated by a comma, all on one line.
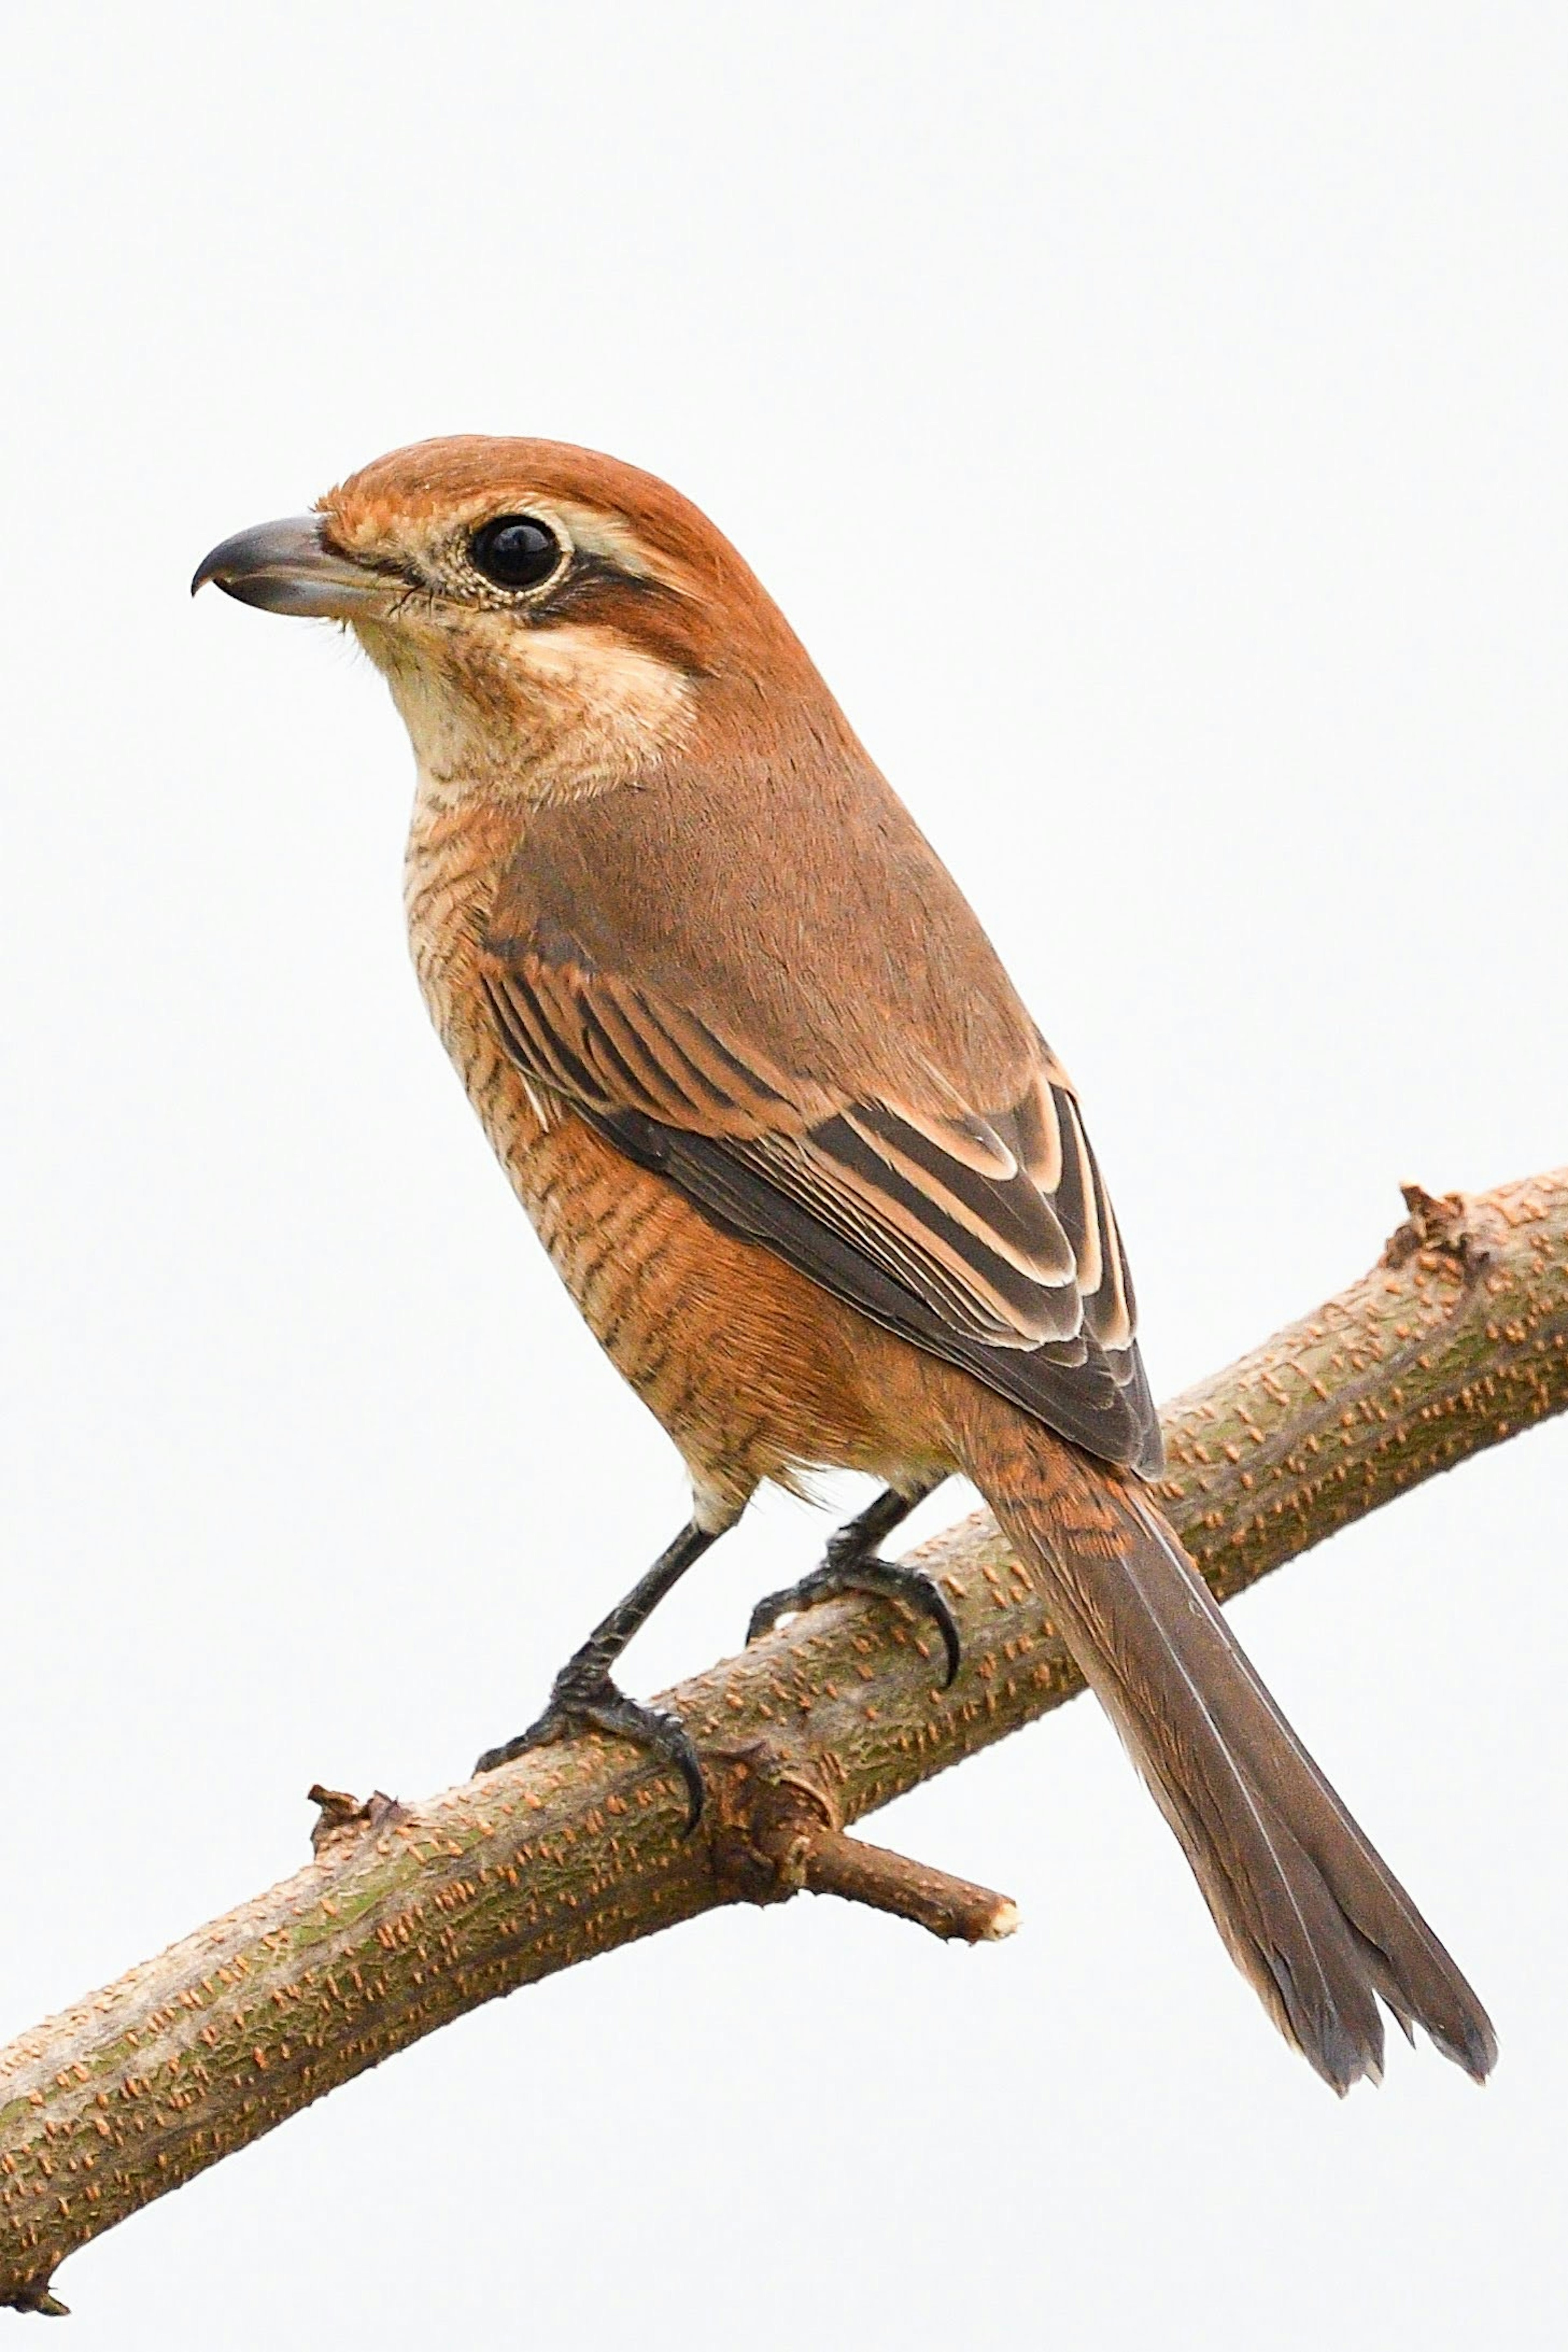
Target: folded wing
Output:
[(981, 1233)]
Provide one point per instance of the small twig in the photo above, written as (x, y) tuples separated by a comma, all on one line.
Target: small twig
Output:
[(774, 1829), (948, 1906), (343, 1820), (1444, 1223)]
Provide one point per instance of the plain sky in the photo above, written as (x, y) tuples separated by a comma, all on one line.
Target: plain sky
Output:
[(1153, 419)]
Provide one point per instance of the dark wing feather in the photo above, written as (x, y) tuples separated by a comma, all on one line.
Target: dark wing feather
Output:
[(981, 1234)]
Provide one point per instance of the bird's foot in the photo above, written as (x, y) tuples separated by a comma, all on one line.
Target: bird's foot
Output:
[(847, 1569), (580, 1702)]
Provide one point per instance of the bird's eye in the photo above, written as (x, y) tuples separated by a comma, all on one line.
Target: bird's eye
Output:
[(514, 552)]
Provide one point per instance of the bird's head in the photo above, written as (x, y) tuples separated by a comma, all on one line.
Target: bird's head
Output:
[(551, 622)]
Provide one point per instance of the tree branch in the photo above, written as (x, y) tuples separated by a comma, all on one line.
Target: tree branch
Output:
[(410, 1915)]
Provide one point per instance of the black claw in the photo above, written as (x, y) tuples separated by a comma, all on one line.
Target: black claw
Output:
[(600, 1706), (857, 1572), (769, 1611), (494, 1758), (948, 1626)]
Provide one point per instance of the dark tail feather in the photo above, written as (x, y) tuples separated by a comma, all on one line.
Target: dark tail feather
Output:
[(1311, 1915)]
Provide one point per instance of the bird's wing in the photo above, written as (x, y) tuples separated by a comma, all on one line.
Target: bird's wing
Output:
[(980, 1232)]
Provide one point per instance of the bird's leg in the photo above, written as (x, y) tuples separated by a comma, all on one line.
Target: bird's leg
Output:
[(853, 1565), (583, 1693)]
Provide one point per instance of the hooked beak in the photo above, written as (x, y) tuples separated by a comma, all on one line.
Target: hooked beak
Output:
[(287, 567)]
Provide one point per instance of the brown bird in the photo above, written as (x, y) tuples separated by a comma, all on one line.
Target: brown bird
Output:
[(801, 1157)]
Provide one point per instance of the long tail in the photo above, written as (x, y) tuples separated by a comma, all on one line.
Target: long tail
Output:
[(1311, 1915)]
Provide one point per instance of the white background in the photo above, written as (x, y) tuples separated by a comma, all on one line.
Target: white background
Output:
[(1153, 417)]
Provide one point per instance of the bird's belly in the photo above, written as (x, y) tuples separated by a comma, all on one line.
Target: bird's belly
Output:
[(755, 1371)]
